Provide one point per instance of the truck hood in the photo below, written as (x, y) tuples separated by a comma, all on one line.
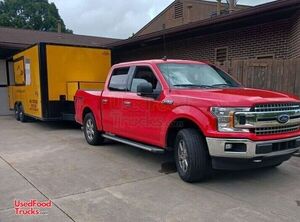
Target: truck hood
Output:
[(233, 97)]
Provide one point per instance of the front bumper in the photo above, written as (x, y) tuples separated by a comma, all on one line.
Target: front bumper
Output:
[(247, 154), (245, 148), (221, 163)]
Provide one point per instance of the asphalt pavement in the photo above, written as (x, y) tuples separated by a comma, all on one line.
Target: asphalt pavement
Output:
[(114, 182)]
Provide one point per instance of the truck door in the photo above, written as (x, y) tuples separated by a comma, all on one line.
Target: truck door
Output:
[(143, 116), (112, 101)]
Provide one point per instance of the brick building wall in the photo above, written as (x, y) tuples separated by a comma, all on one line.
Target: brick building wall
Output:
[(272, 39), (182, 12), (295, 37)]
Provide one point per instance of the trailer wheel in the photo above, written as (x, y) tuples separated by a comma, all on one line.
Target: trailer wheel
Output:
[(17, 112), (91, 133), (22, 116), (191, 155)]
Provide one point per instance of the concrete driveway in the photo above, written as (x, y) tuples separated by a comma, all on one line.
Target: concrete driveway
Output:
[(115, 182)]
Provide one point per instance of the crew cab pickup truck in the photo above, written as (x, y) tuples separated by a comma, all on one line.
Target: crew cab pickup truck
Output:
[(196, 110)]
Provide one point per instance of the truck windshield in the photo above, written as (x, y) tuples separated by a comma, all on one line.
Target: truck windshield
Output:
[(187, 75)]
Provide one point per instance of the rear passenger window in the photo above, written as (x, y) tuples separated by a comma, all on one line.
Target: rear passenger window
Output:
[(118, 80)]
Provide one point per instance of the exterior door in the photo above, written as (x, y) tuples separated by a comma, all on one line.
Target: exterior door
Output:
[(112, 101), (143, 116), (4, 82)]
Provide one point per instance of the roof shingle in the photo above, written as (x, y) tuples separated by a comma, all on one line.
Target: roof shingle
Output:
[(21, 38)]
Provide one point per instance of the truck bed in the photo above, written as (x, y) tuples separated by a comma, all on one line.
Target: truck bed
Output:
[(87, 101)]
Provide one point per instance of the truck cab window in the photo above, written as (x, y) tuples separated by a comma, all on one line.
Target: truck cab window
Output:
[(144, 74), (118, 80)]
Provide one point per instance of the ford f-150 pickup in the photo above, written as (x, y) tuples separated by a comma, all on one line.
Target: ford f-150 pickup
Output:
[(195, 109)]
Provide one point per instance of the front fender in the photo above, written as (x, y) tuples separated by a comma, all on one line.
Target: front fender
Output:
[(199, 116)]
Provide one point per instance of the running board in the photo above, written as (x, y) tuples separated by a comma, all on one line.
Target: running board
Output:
[(142, 146)]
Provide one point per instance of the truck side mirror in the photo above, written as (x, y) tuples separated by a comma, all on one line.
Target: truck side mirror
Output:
[(145, 89)]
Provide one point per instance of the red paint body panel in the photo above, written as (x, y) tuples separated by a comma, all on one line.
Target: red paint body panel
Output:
[(88, 101), (147, 120)]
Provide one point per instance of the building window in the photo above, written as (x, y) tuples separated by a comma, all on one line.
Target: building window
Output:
[(265, 57), (221, 54), (178, 9)]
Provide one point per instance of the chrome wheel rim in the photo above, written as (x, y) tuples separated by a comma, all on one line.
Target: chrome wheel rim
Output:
[(183, 156), (90, 132)]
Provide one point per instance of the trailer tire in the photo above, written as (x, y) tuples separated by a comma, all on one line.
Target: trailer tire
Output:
[(191, 155), (91, 133), (17, 112), (23, 117)]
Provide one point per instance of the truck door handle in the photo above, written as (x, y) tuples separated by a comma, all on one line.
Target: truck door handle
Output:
[(127, 103), (104, 101)]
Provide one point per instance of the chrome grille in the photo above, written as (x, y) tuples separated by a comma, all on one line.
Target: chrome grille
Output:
[(265, 119), (276, 107), (276, 130)]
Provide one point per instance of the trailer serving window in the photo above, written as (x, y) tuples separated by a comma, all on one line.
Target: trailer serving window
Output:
[(27, 72), (19, 69)]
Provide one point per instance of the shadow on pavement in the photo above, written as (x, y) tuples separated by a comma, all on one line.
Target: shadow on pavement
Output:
[(56, 125)]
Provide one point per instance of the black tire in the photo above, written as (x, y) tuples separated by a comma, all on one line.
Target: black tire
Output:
[(276, 165), (92, 135), (198, 160), (17, 112), (23, 117)]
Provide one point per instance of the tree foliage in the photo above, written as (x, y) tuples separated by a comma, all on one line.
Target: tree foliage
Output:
[(31, 14)]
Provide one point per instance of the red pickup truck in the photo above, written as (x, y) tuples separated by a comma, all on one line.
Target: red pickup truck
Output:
[(196, 110)]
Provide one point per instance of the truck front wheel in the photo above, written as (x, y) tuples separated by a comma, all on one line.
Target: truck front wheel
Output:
[(91, 133), (191, 155)]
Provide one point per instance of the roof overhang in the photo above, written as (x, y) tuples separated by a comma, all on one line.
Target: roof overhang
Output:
[(8, 49), (256, 15), (13, 40)]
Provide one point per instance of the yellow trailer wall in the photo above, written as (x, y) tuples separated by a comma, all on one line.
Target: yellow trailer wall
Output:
[(70, 68), (27, 79)]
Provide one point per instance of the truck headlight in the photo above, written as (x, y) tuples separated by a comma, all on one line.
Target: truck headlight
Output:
[(225, 118)]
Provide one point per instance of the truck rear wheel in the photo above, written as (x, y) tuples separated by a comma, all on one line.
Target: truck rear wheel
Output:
[(191, 155), (91, 133)]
